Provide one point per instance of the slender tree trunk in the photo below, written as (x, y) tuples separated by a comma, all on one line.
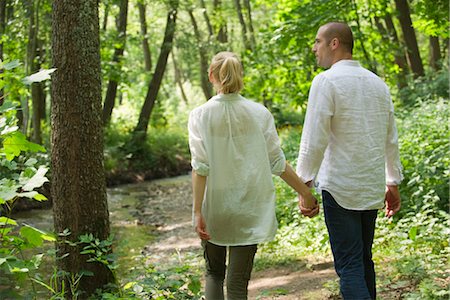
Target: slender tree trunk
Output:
[(178, 80), (243, 25), (78, 179), (205, 15), (34, 62), (206, 87), (435, 52), (372, 66), (111, 91), (141, 128), (250, 24), (222, 35), (399, 57), (409, 36), (145, 47), (105, 17), (2, 32)]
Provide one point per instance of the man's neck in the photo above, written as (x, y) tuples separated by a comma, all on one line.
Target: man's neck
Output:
[(344, 56)]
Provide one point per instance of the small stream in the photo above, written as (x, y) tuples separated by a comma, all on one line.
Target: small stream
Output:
[(134, 215)]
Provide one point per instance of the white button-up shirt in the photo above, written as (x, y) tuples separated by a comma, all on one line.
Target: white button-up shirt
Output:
[(234, 142), (349, 138)]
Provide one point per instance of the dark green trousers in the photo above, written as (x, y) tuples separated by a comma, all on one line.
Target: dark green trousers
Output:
[(240, 265)]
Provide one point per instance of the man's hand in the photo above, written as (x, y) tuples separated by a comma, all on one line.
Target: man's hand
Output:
[(308, 207), (200, 227), (392, 200)]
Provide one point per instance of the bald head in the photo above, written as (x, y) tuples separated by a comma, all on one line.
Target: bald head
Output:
[(342, 32)]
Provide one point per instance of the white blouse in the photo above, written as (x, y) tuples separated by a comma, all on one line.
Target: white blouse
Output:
[(234, 142), (349, 138)]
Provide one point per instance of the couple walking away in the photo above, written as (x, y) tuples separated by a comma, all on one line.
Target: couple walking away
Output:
[(348, 151)]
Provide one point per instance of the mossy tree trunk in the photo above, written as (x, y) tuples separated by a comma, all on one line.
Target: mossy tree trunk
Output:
[(78, 179)]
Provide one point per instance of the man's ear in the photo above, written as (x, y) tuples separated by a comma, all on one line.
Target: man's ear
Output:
[(334, 43)]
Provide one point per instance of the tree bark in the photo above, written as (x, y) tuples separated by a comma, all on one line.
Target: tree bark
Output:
[(78, 180), (243, 25), (2, 32), (141, 128), (178, 76), (435, 53), (390, 33), (222, 35), (250, 24), (145, 47), (409, 36), (111, 91), (105, 17), (372, 67), (205, 15), (34, 64), (206, 87)]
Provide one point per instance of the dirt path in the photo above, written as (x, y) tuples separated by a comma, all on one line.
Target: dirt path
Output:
[(167, 205)]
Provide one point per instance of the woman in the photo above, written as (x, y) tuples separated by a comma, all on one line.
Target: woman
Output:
[(235, 150)]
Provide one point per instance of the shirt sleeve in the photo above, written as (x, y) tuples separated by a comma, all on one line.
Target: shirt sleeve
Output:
[(316, 128), (199, 158), (393, 168), (276, 155)]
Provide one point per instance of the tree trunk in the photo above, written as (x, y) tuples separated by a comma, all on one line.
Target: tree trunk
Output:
[(399, 57), (435, 53), (178, 78), (222, 35), (2, 32), (409, 36), (250, 24), (145, 47), (111, 91), (105, 17), (78, 180), (34, 64), (243, 25), (372, 67), (140, 130), (205, 15), (206, 87)]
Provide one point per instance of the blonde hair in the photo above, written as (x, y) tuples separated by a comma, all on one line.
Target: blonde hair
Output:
[(226, 69)]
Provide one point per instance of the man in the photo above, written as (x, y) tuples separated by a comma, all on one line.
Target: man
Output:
[(349, 150)]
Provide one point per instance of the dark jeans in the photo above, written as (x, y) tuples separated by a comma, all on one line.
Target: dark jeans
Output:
[(240, 265), (351, 236)]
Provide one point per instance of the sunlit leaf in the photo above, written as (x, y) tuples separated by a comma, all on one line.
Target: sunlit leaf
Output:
[(7, 221), (39, 76), (37, 180)]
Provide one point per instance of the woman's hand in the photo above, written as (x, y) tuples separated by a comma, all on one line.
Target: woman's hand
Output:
[(200, 227), (308, 205)]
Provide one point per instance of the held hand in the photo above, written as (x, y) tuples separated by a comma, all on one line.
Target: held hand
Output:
[(200, 227), (309, 206), (392, 200)]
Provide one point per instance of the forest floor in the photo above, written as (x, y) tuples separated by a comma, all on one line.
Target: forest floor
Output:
[(166, 205)]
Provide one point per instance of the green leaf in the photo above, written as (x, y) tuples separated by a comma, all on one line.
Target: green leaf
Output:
[(36, 236), (39, 76), (412, 233), (11, 65), (7, 221), (37, 180), (16, 142), (40, 197), (32, 235)]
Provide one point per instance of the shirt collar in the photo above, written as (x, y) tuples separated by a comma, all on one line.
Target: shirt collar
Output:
[(346, 62), (231, 96)]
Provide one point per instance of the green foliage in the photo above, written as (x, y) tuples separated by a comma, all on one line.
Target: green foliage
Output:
[(424, 141), (164, 153), (434, 85)]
